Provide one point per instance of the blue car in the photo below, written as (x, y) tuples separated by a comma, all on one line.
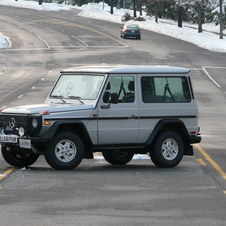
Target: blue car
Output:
[(130, 30)]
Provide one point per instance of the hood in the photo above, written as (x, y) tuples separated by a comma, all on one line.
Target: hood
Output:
[(52, 108)]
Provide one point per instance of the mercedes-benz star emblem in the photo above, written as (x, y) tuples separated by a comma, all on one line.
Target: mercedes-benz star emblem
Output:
[(12, 123)]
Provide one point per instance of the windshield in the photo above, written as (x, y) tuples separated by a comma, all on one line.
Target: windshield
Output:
[(73, 86)]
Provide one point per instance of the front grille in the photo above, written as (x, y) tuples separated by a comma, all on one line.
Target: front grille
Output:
[(13, 122)]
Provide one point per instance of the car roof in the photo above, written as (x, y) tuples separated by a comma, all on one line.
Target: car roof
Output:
[(128, 69), (132, 25)]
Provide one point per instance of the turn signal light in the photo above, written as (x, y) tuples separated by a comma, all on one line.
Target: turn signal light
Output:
[(47, 123)]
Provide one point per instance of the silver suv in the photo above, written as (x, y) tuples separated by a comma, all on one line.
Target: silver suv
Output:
[(119, 111)]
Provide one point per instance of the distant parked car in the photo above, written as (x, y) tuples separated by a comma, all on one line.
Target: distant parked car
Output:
[(131, 30)]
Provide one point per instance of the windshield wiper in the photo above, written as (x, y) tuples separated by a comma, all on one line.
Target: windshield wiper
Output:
[(59, 97), (76, 98)]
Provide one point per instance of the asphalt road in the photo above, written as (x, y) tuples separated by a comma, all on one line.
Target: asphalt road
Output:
[(96, 193)]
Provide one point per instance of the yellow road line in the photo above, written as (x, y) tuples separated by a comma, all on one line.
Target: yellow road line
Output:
[(211, 161), (7, 172), (66, 23), (201, 162)]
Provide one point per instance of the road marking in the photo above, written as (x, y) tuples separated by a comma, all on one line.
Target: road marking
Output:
[(19, 97), (33, 87), (201, 162), (48, 47), (215, 67), (211, 161), (210, 77), (83, 27), (80, 41), (7, 172)]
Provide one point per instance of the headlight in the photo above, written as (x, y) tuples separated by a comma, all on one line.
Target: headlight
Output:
[(21, 131), (34, 123)]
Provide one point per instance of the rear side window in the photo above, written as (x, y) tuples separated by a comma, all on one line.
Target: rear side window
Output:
[(165, 89)]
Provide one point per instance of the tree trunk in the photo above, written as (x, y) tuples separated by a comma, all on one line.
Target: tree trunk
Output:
[(112, 11), (156, 12), (200, 19), (134, 9), (221, 20), (140, 3), (180, 13)]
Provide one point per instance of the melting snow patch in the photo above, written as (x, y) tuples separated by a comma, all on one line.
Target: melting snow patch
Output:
[(4, 43)]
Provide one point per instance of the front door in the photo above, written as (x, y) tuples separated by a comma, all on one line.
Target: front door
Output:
[(118, 122)]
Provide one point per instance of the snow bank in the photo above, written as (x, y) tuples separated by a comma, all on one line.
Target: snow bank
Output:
[(35, 5), (188, 33)]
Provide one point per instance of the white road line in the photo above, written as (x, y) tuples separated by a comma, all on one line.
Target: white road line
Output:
[(48, 47), (210, 77), (33, 87), (215, 67), (80, 41), (19, 97)]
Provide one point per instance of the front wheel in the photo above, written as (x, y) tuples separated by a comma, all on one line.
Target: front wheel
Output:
[(168, 150), (65, 152), (18, 157), (118, 157)]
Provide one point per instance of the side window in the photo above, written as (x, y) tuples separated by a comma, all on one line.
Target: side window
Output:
[(165, 89), (122, 87)]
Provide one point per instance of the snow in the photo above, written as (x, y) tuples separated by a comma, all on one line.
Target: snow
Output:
[(3, 42), (207, 39), (135, 157)]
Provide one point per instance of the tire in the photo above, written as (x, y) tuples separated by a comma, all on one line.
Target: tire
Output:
[(118, 157), (65, 152), (168, 150), (18, 157)]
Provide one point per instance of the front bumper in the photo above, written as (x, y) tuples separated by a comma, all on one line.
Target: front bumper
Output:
[(22, 142)]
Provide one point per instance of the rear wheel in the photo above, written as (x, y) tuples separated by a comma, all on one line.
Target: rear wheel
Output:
[(18, 157), (168, 150), (118, 157), (66, 151)]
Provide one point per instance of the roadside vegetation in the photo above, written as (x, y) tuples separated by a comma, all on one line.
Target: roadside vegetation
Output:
[(193, 11)]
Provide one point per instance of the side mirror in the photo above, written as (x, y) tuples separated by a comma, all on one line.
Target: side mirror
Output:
[(114, 98)]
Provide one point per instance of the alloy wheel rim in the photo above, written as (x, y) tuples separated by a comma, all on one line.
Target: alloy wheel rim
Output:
[(65, 151), (170, 149)]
